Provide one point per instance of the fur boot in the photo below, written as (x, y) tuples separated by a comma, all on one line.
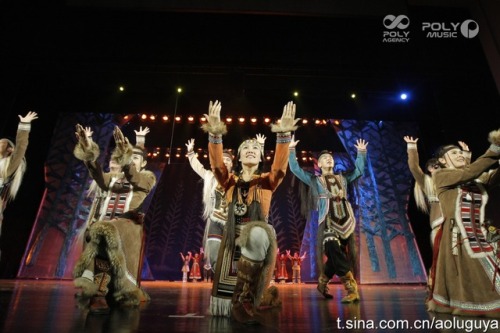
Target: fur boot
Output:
[(323, 286), (352, 288)]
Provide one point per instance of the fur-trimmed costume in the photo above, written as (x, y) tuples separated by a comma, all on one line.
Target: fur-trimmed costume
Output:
[(466, 280), (214, 212), (336, 220), (112, 257), (13, 167), (239, 278)]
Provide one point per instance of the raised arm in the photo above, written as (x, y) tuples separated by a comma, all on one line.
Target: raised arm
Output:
[(193, 160)]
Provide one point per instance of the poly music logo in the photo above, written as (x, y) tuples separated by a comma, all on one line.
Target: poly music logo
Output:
[(468, 29)]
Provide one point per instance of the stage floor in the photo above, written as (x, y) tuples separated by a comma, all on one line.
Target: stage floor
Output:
[(49, 306)]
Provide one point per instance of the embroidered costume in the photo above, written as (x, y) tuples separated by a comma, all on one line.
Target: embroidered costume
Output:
[(336, 222), (112, 257), (465, 280), (13, 163), (248, 250)]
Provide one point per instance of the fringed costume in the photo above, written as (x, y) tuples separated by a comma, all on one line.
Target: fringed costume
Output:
[(13, 167), (112, 256), (466, 279), (247, 255), (336, 220)]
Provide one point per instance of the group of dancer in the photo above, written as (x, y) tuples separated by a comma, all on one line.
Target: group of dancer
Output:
[(239, 242)]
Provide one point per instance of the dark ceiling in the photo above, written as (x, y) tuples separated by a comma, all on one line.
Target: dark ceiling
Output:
[(72, 56)]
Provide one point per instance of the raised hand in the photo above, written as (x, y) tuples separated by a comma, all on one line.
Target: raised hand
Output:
[(141, 131), (410, 139), (463, 145), (261, 139), (288, 117), (293, 143), (361, 144), (120, 140), (190, 145), (29, 117), (83, 135), (213, 116)]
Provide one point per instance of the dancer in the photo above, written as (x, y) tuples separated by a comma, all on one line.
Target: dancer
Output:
[(195, 273), (424, 190), (248, 249), (336, 218), (296, 263), (186, 260), (465, 280), (112, 258), (13, 162)]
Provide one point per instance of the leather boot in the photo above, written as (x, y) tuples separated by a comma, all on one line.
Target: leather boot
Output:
[(247, 281), (323, 286), (98, 304), (352, 288)]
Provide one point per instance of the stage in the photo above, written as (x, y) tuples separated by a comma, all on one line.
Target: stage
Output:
[(50, 306)]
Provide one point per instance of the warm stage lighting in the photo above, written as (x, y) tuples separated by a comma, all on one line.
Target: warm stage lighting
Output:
[(152, 117), (190, 119), (179, 90), (336, 122), (296, 93), (144, 116), (267, 120), (353, 96), (317, 121), (203, 119), (177, 119), (126, 117), (241, 120), (253, 120), (165, 118), (229, 119), (304, 121), (121, 88)]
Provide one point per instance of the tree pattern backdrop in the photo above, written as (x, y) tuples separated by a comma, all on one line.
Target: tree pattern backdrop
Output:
[(387, 248)]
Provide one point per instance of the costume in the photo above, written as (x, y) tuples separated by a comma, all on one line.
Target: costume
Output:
[(248, 250), (195, 273), (282, 271), (425, 195), (464, 281), (214, 212), (186, 259), (112, 258), (13, 167), (296, 263), (336, 223)]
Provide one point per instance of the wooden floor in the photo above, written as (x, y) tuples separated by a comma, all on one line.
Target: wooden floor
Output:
[(28, 306)]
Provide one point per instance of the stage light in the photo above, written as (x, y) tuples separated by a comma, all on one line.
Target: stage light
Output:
[(191, 119), (179, 90), (177, 119), (241, 120), (126, 117), (353, 96), (296, 94), (203, 119), (317, 121), (336, 122), (267, 120), (121, 88), (144, 116), (305, 121), (403, 96), (229, 119), (165, 118), (253, 120), (152, 117)]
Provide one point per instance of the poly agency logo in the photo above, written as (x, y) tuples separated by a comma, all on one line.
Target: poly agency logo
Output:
[(396, 29)]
